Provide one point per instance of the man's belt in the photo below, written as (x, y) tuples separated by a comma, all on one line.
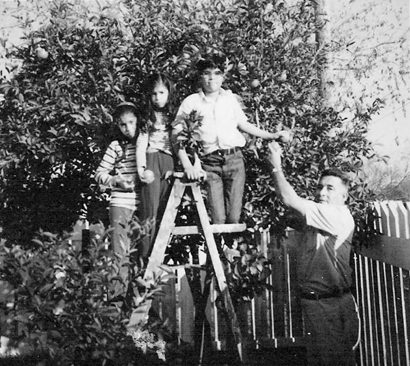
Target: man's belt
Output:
[(311, 295), (223, 152)]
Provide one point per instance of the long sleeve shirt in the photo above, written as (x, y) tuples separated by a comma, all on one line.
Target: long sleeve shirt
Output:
[(119, 160)]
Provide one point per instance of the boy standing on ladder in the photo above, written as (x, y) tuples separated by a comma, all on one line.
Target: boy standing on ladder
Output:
[(220, 135), (221, 140)]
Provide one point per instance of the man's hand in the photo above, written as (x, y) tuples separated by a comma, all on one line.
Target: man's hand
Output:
[(275, 155)]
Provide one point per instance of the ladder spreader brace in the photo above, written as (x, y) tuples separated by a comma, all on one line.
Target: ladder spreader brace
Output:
[(168, 229)]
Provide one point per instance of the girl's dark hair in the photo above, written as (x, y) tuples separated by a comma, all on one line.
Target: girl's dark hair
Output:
[(169, 109), (121, 109)]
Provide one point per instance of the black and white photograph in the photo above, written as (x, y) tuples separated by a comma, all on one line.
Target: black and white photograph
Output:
[(204, 182)]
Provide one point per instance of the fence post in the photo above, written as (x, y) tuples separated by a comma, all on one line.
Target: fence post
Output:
[(85, 245)]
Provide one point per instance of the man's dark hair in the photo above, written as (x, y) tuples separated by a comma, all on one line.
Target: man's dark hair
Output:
[(335, 172), (214, 61)]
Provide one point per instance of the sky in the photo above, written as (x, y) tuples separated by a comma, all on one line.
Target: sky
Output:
[(374, 33)]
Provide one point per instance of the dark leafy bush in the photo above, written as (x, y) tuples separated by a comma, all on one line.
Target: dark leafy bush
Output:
[(56, 115), (64, 303)]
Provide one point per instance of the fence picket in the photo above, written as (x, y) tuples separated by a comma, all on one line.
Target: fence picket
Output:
[(403, 221), (393, 218), (407, 207), (385, 222), (378, 221)]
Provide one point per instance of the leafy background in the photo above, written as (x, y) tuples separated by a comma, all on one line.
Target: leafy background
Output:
[(56, 119)]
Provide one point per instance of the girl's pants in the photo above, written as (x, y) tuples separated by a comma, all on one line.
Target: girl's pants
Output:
[(154, 195)]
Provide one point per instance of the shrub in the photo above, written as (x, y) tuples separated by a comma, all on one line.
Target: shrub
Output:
[(64, 303)]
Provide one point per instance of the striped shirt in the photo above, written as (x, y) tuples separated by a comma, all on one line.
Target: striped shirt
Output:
[(118, 160)]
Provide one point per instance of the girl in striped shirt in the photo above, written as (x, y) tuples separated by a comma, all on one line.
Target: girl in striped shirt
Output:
[(154, 153), (117, 171)]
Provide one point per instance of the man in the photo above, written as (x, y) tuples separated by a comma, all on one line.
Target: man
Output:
[(324, 272)]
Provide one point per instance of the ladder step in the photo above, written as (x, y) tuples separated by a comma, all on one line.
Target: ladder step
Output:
[(217, 228), (187, 266)]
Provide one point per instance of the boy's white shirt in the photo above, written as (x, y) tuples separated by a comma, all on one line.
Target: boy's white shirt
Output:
[(221, 118)]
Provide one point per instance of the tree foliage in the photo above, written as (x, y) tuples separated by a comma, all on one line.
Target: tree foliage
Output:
[(56, 113)]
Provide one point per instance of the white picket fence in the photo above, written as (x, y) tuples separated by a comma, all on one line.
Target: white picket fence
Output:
[(272, 319), (382, 283), (394, 218), (382, 288)]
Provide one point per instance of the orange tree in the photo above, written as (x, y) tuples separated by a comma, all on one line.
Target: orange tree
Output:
[(56, 113)]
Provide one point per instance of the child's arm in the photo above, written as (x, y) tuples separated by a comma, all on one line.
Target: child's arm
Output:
[(282, 136), (257, 132), (103, 174), (192, 171), (141, 157), (253, 130)]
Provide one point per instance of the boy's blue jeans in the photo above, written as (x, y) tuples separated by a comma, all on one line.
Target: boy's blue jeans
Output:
[(225, 184)]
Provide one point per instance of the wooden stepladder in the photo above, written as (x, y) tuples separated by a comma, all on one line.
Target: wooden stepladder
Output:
[(167, 229)]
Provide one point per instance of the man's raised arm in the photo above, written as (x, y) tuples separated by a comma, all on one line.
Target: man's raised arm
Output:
[(284, 190)]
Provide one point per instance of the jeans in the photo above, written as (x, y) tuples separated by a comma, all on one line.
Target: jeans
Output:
[(120, 218), (225, 185)]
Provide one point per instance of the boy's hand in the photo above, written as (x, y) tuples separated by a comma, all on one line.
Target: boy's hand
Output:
[(284, 136), (194, 172)]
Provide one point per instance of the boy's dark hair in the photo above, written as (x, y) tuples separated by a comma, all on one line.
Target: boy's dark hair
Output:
[(335, 172), (149, 111), (124, 107), (214, 61)]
